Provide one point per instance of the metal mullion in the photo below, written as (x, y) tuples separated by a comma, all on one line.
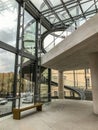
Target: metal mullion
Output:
[(91, 6), (76, 5), (16, 57), (49, 85), (81, 8), (86, 14), (53, 11), (90, 12), (27, 55), (67, 11), (36, 65), (95, 6), (46, 15), (33, 11), (59, 6), (7, 47), (67, 20), (49, 10), (79, 16), (57, 35)]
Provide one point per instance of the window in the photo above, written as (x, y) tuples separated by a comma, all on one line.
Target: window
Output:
[(8, 22), (88, 81), (6, 80)]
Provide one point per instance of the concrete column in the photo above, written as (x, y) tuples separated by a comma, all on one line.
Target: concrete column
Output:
[(60, 85), (94, 77)]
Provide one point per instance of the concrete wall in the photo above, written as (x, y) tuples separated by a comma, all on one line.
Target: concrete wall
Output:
[(79, 43)]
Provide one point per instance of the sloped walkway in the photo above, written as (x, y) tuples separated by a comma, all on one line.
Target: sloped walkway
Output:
[(58, 115)]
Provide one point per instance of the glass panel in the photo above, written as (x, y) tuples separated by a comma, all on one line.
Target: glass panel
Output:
[(6, 81), (29, 38), (26, 89), (80, 21), (75, 11), (63, 15), (91, 8), (47, 14), (27, 18), (89, 16), (43, 29), (54, 89), (87, 5), (85, 1), (47, 41), (52, 19), (53, 39), (72, 5), (55, 2), (97, 4), (8, 21), (40, 5)]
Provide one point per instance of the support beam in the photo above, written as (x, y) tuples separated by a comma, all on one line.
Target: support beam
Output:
[(16, 59), (35, 71), (94, 77), (49, 85), (60, 85)]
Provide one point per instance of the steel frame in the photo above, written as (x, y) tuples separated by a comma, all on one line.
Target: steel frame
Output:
[(16, 59), (55, 9), (49, 85)]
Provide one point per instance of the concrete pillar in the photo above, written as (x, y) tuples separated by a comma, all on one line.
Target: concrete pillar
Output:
[(94, 77), (60, 85)]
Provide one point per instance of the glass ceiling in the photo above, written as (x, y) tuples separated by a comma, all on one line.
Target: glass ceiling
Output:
[(65, 12)]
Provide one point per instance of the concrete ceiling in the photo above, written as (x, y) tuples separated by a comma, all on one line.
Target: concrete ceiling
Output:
[(73, 52)]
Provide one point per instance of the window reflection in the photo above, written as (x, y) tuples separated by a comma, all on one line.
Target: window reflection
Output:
[(25, 88), (29, 37), (29, 34), (6, 81), (44, 87), (8, 21)]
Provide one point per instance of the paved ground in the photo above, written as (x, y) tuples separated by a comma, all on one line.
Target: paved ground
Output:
[(58, 115)]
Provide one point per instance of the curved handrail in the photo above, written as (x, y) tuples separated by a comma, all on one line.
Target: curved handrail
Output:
[(79, 91)]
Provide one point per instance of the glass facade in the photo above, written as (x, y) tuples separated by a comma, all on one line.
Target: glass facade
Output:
[(7, 60), (29, 38), (25, 90), (60, 11), (16, 69), (44, 86), (21, 29), (8, 21)]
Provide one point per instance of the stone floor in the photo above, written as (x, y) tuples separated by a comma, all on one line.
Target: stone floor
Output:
[(58, 115)]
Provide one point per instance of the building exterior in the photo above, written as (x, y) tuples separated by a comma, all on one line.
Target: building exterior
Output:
[(75, 78)]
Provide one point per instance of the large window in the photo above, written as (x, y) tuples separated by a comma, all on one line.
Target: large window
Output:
[(25, 86), (44, 86), (29, 37), (8, 21), (6, 81)]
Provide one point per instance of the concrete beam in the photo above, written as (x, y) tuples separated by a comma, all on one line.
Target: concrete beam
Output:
[(72, 53)]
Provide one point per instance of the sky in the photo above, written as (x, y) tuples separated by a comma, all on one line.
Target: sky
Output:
[(8, 29), (8, 26)]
